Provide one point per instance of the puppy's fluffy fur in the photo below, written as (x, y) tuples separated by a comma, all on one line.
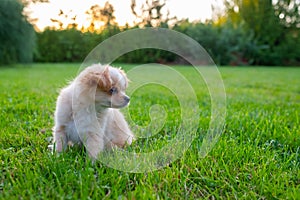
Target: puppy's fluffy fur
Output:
[(87, 111)]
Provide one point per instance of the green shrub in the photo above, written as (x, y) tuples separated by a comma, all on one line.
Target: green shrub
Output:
[(227, 44)]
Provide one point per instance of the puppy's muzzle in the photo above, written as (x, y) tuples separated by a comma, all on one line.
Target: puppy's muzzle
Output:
[(126, 99)]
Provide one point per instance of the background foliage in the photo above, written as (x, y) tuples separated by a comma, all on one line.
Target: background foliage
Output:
[(17, 37), (250, 32)]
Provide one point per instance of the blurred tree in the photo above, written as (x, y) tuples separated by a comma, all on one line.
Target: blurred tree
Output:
[(258, 15), (65, 20), (271, 22), (17, 36), (101, 18), (152, 13), (288, 12), (94, 15), (107, 13)]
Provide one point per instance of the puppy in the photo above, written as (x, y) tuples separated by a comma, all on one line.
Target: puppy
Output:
[(87, 111)]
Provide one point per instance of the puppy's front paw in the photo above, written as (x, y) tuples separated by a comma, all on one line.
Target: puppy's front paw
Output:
[(51, 148)]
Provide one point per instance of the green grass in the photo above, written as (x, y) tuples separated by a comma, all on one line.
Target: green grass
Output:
[(257, 156)]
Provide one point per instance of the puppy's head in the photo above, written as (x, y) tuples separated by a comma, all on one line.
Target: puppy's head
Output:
[(110, 85)]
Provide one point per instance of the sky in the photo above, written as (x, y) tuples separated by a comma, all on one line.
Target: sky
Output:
[(43, 12)]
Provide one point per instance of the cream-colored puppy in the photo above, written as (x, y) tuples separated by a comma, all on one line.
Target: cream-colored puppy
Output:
[(87, 111)]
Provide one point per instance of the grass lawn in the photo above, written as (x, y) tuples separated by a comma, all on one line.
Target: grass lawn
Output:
[(256, 157)]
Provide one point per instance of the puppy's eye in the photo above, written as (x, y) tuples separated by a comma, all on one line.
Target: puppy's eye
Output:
[(113, 90)]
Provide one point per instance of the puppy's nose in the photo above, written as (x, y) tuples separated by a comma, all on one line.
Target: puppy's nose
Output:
[(126, 99)]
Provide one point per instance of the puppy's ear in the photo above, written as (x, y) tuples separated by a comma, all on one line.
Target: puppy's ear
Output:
[(124, 74), (90, 78), (99, 79), (104, 81)]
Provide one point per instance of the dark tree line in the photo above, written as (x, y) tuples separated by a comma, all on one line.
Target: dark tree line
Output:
[(17, 36)]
